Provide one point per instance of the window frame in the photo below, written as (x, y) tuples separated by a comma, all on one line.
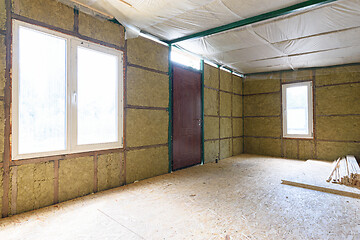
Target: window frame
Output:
[(310, 134), (72, 43)]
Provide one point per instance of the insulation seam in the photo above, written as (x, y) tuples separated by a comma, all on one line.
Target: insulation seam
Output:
[(147, 68)]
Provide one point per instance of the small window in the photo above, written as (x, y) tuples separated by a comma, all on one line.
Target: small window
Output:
[(297, 109), (66, 94), (185, 58)]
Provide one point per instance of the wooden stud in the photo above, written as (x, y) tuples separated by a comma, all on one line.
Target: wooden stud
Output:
[(56, 181), (76, 21), (321, 189), (95, 173), (7, 106), (14, 190)]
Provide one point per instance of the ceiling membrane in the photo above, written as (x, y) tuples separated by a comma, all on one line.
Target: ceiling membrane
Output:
[(321, 36)]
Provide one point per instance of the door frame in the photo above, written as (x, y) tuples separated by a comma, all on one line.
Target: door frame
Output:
[(171, 107)]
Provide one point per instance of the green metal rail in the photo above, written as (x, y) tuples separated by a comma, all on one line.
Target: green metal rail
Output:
[(202, 110), (170, 112), (255, 19)]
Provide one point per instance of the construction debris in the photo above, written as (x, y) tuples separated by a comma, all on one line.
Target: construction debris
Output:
[(346, 171)]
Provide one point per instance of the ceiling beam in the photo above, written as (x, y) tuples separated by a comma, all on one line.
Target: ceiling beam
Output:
[(255, 19)]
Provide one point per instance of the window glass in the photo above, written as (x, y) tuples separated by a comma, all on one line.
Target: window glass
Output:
[(66, 94), (97, 120), (297, 110), (42, 92), (185, 59)]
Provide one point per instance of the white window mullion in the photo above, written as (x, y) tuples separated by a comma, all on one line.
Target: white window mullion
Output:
[(71, 92)]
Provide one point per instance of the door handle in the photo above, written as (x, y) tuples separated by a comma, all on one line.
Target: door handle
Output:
[(199, 121)]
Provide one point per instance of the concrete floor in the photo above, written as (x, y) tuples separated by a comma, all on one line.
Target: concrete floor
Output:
[(237, 198)]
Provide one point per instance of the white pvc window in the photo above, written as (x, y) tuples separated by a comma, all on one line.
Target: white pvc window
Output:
[(297, 110), (185, 58), (66, 94)]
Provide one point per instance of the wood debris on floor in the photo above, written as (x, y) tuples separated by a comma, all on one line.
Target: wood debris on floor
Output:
[(345, 171)]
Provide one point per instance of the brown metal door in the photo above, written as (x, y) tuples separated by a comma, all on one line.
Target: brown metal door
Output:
[(186, 117)]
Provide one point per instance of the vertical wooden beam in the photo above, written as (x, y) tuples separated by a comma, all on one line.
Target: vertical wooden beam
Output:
[(76, 21), (202, 69), (95, 173), (281, 116), (170, 122), (56, 181), (124, 108), (219, 105), (231, 114), (298, 149), (14, 190), (243, 111), (7, 105), (314, 113)]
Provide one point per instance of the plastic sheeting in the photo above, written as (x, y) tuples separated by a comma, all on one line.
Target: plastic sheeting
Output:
[(327, 35), (321, 36)]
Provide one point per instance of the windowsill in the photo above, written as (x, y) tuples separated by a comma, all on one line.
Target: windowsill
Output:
[(298, 138), (67, 155)]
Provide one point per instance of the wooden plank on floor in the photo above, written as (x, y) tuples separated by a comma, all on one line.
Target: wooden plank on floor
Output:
[(321, 189)]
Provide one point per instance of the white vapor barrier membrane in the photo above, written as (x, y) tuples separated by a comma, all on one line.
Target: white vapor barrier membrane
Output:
[(323, 36), (169, 19), (42, 103), (289, 42)]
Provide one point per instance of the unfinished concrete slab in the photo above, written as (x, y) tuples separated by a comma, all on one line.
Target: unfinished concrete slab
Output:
[(237, 198)]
